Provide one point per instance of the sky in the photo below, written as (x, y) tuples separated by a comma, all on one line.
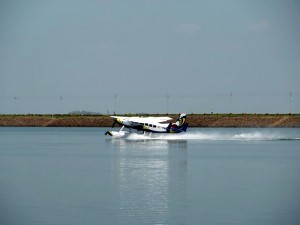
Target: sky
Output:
[(154, 56)]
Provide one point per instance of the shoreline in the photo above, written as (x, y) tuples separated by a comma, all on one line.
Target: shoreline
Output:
[(194, 120)]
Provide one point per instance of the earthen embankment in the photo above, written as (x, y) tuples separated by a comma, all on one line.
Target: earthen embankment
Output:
[(245, 120), (194, 120)]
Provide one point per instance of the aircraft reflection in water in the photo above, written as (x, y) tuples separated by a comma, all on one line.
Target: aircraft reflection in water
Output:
[(148, 125), (151, 177)]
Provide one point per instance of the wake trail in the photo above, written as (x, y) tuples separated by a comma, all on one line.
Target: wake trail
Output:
[(216, 136)]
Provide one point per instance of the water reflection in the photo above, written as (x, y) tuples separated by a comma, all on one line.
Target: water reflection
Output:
[(151, 144), (152, 180)]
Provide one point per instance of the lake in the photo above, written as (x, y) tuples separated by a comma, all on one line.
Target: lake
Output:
[(205, 176)]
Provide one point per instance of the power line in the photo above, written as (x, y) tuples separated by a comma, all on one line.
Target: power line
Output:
[(149, 95)]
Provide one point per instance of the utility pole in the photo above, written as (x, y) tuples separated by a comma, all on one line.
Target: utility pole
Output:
[(290, 101), (168, 103), (115, 104), (62, 108), (14, 106), (231, 111)]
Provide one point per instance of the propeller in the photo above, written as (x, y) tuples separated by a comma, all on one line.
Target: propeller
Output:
[(114, 123)]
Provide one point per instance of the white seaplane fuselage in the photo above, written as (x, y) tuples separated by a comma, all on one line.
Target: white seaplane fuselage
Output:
[(148, 124)]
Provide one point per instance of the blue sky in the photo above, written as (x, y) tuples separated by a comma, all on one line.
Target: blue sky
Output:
[(150, 56)]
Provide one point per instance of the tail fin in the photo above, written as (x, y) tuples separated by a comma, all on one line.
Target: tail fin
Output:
[(181, 120), (179, 126)]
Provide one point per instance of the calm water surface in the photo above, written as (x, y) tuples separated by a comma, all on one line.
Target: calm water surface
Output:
[(206, 176)]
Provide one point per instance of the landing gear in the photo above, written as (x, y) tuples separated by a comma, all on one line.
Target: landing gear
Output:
[(119, 133)]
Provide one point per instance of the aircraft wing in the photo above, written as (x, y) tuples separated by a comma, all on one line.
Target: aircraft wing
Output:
[(144, 119), (156, 119), (121, 117)]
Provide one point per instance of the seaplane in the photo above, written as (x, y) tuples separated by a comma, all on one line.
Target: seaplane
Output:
[(146, 125)]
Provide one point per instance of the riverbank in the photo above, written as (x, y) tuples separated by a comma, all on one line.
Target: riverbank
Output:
[(194, 120)]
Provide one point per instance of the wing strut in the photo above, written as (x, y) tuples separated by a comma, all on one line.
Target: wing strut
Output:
[(121, 128)]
